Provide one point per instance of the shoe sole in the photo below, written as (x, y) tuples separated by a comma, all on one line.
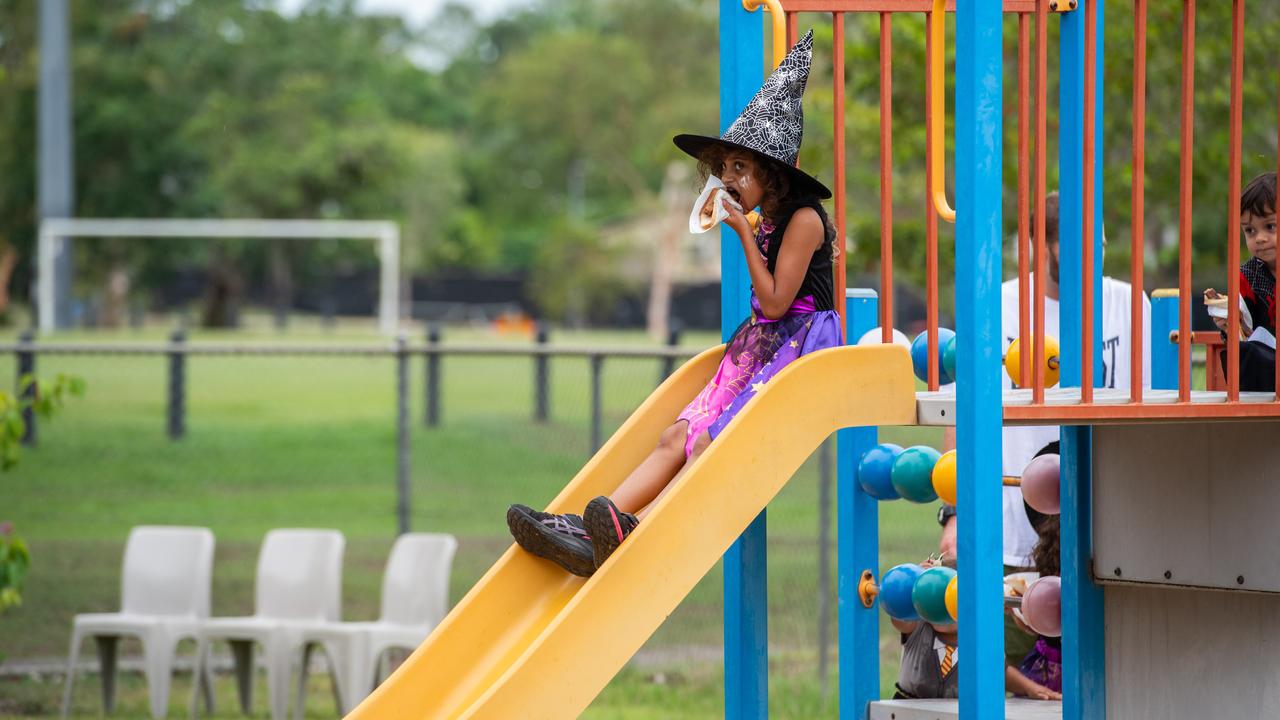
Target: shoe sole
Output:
[(548, 544), (602, 525)]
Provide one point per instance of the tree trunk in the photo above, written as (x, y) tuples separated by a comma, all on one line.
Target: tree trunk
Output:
[(115, 306), (221, 298), (8, 261), (281, 270), (670, 230)]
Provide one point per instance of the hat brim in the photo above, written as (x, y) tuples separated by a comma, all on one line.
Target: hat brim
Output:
[(696, 145)]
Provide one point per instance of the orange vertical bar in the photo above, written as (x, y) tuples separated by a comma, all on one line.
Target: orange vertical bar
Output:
[(1087, 348), (1137, 243), (930, 217), (837, 20), (1184, 200), (793, 30), (1024, 179), (1232, 370), (1042, 73), (886, 179)]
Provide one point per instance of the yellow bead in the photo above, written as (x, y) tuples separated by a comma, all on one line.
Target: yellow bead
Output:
[(1013, 362), (944, 477), (952, 599)]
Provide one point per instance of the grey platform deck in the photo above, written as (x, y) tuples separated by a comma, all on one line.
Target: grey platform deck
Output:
[(939, 407), (1014, 709)]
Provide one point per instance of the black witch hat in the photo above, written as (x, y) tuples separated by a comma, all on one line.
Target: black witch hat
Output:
[(772, 124)]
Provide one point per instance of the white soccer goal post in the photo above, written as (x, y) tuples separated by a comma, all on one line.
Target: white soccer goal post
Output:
[(55, 233)]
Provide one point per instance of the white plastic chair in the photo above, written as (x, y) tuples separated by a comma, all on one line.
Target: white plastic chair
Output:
[(299, 582), (415, 598), (164, 594)]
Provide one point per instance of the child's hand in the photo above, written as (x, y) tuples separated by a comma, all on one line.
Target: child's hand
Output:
[(1211, 294), (1040, 692), (736, 220)]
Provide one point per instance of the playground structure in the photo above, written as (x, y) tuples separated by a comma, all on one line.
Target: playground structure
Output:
[(1149, 545)]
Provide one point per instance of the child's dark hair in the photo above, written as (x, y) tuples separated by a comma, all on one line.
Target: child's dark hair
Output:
[(781, 198), (1045, 556), (1259, 196)]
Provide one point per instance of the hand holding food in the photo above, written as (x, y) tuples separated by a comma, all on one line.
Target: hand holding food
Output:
[(712, 207)]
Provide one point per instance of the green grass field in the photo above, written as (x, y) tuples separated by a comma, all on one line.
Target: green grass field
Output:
[(276, 442)]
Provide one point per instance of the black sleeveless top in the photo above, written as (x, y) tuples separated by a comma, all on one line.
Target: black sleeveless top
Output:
[(818, 277)]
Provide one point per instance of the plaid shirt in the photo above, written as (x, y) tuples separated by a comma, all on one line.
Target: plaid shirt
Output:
[(1258, 290)]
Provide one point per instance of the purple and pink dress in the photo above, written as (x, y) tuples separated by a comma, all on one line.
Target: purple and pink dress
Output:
[(761, 347)]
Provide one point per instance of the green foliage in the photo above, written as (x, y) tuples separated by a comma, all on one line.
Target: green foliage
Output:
[(573, 278), (47, 398), (482, 137), (14, 561)]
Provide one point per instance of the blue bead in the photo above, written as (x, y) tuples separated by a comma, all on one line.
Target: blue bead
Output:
[(920, 356), (875, 471), (895, 591)]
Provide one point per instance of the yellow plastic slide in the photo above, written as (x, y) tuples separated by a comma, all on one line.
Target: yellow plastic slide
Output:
[(531, 641)]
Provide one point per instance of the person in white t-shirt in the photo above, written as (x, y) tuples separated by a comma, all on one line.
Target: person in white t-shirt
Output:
[(1020, 444)]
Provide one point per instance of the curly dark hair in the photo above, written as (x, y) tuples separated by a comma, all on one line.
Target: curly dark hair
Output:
[(1045, 556), (780, 199)]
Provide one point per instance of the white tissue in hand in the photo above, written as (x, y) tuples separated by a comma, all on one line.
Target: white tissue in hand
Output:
[(708, 209)]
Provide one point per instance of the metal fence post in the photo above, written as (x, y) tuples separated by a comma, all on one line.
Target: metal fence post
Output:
[(402, 434), (597, 366), (177, 385), (673, 340), (541, 402), (431, 415), (27, 367), (824, 566)]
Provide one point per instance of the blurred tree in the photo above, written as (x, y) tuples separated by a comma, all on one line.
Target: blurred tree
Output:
[(486, 140)]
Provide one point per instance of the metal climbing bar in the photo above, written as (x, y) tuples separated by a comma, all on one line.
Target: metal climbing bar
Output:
[(937, 99), (1041, 173), (1137, 243), (1184, 199), (931, 223), (1024, 239), (1233, 204), (1088, 349), (838, 129), (886, 178)]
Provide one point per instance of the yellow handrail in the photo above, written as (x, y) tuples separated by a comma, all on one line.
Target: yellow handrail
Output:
[(779, 25), (938, 109)]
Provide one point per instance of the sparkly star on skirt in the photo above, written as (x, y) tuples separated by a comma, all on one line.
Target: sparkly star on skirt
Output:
[(756, 351)]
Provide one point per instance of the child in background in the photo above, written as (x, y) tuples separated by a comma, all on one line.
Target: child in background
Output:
[(1257, 284), (1042, 667), (789, 259), (929, 654)]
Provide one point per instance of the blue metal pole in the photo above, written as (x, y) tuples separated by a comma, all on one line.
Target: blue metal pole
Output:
[(1164, 354), (1084, 692), (1070, 193), (746, 628), (1083, 671), (979, 193), (857, 541)]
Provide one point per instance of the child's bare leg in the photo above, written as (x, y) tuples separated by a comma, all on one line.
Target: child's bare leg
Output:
[(698, 446), (654, 474)]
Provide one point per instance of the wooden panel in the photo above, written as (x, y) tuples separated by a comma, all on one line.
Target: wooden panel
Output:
[(1014, 708), (1191, 504), (1180, 654)]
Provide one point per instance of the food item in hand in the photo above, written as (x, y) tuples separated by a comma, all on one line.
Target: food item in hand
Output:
[(707, 216), (1017, 586)]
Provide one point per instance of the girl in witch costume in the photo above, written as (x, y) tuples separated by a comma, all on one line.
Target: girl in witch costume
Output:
[(789, 258)]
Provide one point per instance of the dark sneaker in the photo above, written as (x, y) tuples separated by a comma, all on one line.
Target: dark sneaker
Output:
[(607, 526), (558, 538)]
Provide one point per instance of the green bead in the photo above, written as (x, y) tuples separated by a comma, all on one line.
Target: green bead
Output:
[(929, 596), (912, 473)]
